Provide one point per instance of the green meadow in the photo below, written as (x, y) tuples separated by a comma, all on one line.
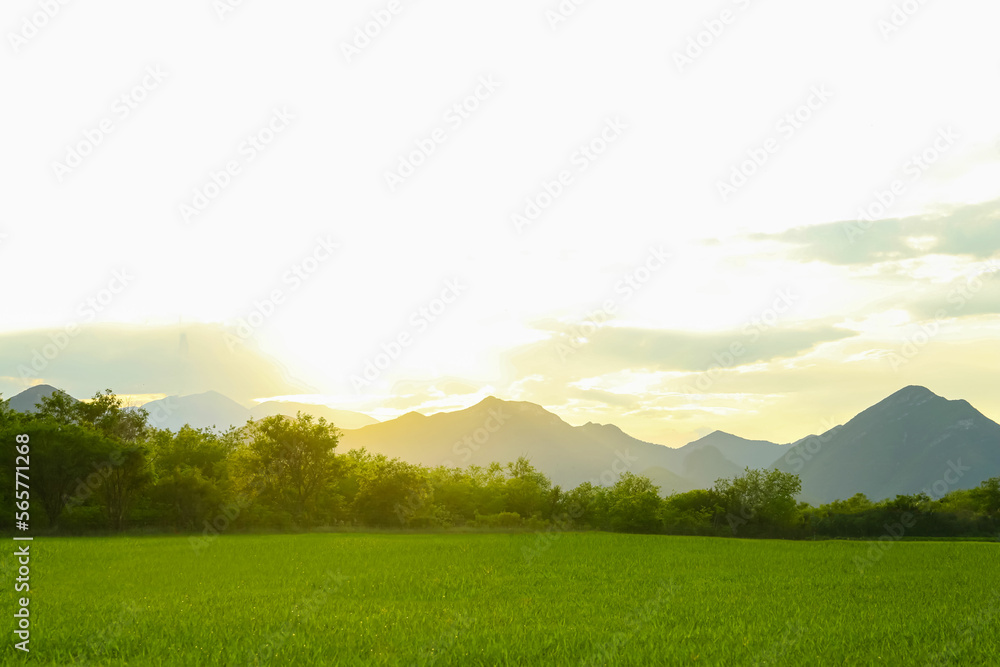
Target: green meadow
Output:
[(509, 599)]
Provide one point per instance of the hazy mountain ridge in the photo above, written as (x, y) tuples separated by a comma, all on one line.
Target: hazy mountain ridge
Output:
[(496, 430), (905, 443), (29, 398), (911, 441), (744, 453), (342, 418), (570, 455), (211, 410)]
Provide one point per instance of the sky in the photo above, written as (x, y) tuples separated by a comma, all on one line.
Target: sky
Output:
[(759, 217)]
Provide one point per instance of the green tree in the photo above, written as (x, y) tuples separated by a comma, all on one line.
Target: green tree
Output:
[(8, 428), (392, 492), (6, 414), (290, 462), (581, 505), (108, 414), (526, 490), (454, 494), (762, 500), (191, 474), (126, 468), (692, 512), (68, 462), (903, 503), (859, 502), (634, 504), (127, 477), (987, 494), (59, 406)]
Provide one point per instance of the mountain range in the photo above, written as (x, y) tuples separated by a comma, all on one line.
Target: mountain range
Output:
[(210, 410), (28, 399), (913, 441)]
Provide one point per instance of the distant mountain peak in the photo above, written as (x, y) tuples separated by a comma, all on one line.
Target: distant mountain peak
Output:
[(42, 388), (908, 398), (212, 392), (723, 437), (30, 397), (521, 407), (740, 452), (898, 446), (496, 430), (490, 401), (914, 391)]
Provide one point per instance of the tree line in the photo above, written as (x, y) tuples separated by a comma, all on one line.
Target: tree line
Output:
[(98, 466)]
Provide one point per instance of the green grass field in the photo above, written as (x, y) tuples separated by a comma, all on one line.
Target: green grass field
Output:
[(485, 599)]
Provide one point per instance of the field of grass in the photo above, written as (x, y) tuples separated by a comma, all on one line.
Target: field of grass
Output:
[(510, 599)]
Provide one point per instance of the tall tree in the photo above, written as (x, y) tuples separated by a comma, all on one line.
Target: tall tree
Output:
[(191, 472), (527, 490), (67, 461), (58, 406), (760, 499), (988, 495), (392, 492), (128, 475), (289, 462), (125, 469), (634, 504), (108, 414)]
